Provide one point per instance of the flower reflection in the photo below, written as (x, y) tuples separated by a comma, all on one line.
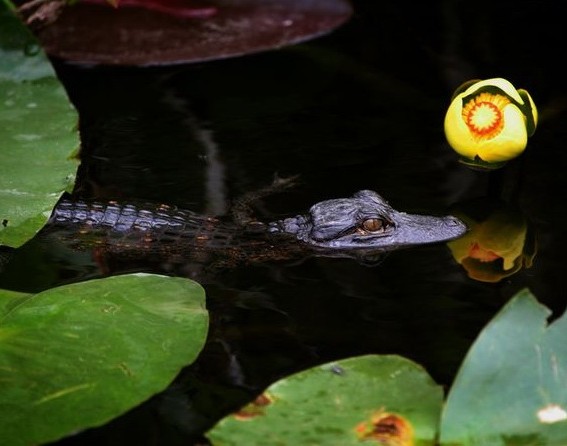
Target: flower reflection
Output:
[(488, 122), (495, 247)]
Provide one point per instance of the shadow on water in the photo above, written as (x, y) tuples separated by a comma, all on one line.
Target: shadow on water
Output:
[(360, 109)]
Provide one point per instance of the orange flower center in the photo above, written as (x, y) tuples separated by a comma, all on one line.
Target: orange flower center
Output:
[(483, 115)]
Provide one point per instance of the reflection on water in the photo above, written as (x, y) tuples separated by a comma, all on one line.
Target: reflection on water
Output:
[(496, 246), (360, 109)]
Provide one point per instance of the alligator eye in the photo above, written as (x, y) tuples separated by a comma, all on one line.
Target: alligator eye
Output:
[(373, 224)]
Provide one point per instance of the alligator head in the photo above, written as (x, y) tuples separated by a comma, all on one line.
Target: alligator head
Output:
[(367, 222)]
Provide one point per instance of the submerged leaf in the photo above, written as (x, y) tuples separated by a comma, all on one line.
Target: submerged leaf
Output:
[(79, 355), (384, 400), (511, 388)]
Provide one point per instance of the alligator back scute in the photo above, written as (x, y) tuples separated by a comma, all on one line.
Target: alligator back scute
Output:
[(143, 226)]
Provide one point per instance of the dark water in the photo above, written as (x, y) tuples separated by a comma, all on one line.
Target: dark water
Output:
[(362, 108)]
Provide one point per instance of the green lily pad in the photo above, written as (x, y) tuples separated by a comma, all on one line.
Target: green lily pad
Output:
[(381, 398), (38, 133), (79, 355), (512, 386)]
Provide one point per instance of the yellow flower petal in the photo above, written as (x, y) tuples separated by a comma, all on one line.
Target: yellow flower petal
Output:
[(511, 141), (505, 85), (457, 131)]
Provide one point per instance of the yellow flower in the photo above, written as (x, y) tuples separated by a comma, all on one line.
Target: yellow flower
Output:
[(488, 122), (494, 248)]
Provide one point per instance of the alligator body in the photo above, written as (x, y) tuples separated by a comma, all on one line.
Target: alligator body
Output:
[(359, 227)]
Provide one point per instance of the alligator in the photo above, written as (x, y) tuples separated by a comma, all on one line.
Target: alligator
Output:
[(361, 227)]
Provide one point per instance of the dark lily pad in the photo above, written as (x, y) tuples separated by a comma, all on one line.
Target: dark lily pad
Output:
[(79, 355), (152, 32)]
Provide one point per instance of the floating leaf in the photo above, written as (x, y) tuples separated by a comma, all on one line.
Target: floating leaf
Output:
[(152, 32), (512, 386), (381, 398), (38, 133), (79, 355)]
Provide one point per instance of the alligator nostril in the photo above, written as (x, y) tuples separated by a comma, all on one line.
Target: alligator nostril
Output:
[(456, 225), (454, 221)]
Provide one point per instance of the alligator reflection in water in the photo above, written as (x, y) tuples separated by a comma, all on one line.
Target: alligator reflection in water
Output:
[(359, 227)]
